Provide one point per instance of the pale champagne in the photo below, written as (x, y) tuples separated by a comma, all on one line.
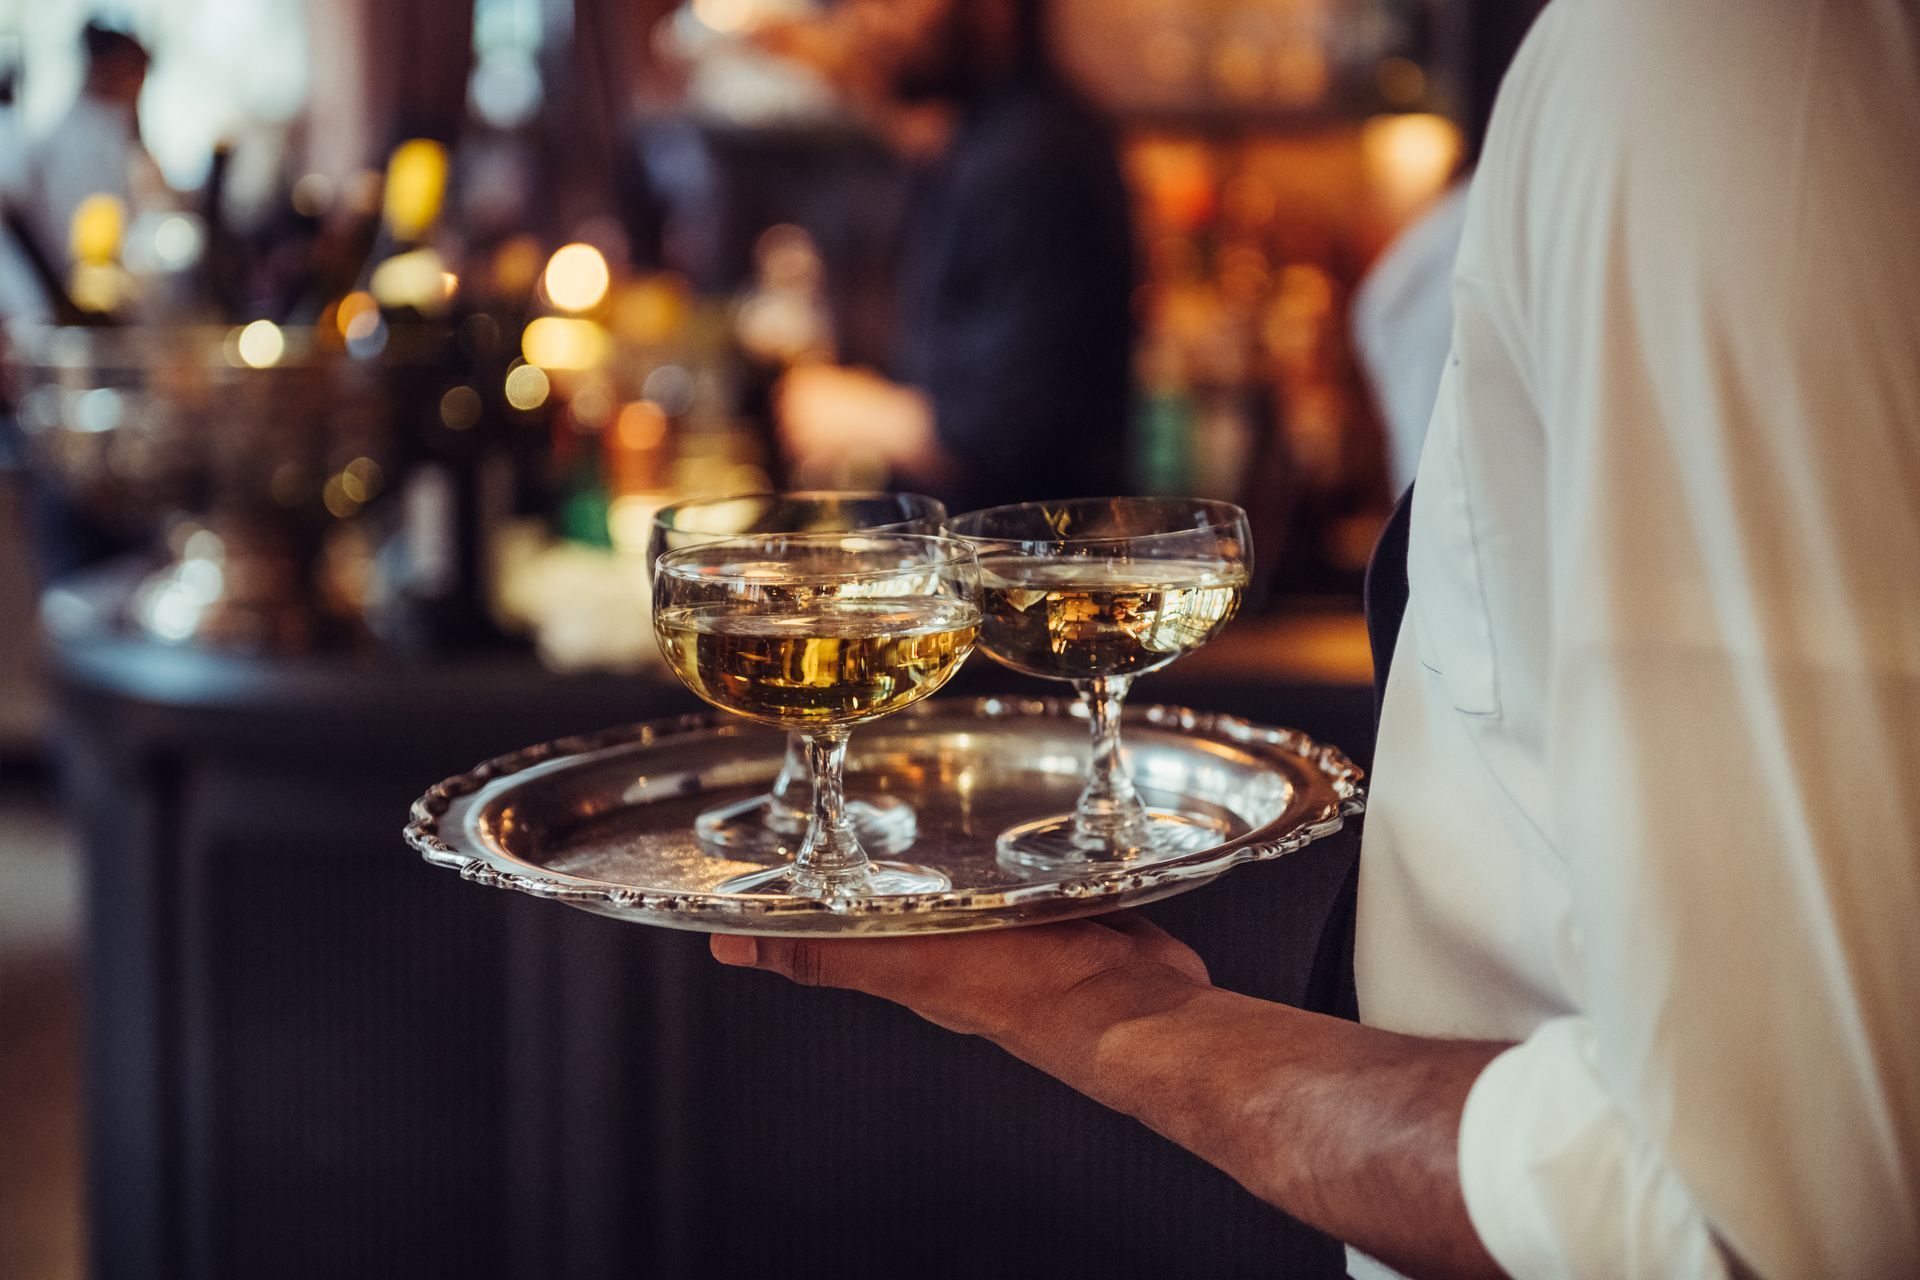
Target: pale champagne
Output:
[(1076, 618), (837, 661)]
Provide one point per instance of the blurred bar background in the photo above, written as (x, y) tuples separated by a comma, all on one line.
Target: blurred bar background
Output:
[(351, 346)]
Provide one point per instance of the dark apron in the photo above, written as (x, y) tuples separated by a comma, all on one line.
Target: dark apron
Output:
[(1387, 595), (1330, 988)]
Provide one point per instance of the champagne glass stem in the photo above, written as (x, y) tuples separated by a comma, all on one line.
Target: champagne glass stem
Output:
[(830, 858), (1109, 816), (788, 804)]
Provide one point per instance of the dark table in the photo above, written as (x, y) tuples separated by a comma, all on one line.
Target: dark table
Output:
[(310, 1054)]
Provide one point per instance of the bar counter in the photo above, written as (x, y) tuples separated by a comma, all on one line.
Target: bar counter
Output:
[(311, 1055)]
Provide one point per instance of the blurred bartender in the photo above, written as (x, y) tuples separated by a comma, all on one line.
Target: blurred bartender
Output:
[(92, 154), (95, 149), (1014, 334)]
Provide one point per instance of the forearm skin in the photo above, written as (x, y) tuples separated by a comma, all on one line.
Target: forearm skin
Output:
[(1349, 1128)]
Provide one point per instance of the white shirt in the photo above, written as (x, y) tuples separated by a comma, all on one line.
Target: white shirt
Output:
[(1647, 792), (94, 149), (1403, 323), (21, 297)]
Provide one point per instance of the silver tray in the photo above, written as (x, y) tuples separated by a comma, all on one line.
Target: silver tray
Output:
[(604, 822)]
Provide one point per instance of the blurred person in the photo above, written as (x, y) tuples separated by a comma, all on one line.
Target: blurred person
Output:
[(95, 149), (21, 294), (1403, 309), (1403, 324), (1638, 948), (1014, 336)]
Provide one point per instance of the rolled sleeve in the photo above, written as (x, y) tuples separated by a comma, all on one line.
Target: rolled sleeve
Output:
[(1556, 1182)]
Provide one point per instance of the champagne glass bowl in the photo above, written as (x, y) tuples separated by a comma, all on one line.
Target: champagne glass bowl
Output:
[(1098, 592), (773, 824), (817, 633)]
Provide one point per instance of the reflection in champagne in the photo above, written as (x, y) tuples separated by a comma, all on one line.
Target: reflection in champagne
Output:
[(829, 661), (1076, 618)]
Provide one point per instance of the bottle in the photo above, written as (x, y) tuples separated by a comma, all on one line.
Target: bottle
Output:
[(456, 481)]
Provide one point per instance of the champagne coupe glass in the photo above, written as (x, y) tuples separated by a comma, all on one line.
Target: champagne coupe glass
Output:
[(772, 825), (1099, 591), (818, 633)]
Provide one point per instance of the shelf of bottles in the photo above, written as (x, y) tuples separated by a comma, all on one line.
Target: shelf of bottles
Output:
[(1274, 150), (538, 403)]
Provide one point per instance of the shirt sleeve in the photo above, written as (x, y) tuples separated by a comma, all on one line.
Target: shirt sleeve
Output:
[(1714, 266), (1556, 1182)]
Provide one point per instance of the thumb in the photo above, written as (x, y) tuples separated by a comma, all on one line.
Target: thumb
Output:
[(793, 958)]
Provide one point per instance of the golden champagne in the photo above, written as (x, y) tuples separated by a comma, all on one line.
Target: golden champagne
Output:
[(832, 661), (1075, 619)]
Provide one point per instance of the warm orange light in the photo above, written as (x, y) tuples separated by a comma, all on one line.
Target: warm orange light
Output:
[(1301, 75), (1410, 157), (1169, 56), (1238, 68), (361, 479), (651, 311), (1401, 81), (641, 426), (724, 15), (516, 266), (357, 316)]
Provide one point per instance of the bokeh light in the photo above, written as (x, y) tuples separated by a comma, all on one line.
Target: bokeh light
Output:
[(641, 426), (312, 195), (416, 185), (516, 266), (577, 277), (357, 316), (1401, 81), (724, 15), (556, 343), (99, 225), (415, 279), (593, 405), (460, 408), (1410, 157), (176, 242), (97, 286), (361, 479), (651, 310), (528, 386), (338, 501), (261, 344)]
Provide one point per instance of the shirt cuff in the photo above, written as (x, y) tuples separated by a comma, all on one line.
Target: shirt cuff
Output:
[(1558, 1185)]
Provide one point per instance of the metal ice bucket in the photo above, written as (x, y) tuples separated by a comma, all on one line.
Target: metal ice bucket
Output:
[(236, 456)]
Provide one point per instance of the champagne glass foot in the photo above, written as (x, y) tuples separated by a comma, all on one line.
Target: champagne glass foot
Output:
[(877, 879), (886, 824), (1057, 844), (745, 829)]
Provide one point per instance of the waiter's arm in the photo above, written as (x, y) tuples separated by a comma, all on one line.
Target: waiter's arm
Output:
[(1348, 1128)]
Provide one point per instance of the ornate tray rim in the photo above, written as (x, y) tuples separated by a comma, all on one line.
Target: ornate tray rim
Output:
[(1343, 796)]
